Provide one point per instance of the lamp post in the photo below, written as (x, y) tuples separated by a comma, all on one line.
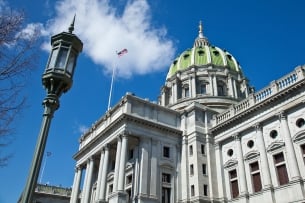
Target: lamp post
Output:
[(56, 79)]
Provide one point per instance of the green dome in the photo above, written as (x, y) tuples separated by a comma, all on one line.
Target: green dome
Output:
[(203, 54)]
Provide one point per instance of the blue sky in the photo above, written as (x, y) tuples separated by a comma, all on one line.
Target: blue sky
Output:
[(266, 37)]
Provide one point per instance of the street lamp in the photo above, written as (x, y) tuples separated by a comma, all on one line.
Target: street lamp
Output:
[(56, 79)]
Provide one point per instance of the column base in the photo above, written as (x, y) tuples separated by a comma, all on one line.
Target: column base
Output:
[(100, 201)]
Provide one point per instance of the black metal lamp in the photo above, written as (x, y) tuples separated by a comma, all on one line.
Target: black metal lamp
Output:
[(57, 79)]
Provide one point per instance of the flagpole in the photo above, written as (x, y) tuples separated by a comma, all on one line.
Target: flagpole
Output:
[(43, 166), (111, 85), (120, 53)]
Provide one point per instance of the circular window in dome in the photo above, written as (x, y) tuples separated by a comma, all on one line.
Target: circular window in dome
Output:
[(300, 122), (250, 143), (273, 134), (230, 152)]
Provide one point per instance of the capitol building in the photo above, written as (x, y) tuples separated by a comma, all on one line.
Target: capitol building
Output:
[(209, 138)]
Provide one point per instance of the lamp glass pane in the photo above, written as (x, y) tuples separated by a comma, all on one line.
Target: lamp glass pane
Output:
[(62, 57), (71, 63), (53, 58)]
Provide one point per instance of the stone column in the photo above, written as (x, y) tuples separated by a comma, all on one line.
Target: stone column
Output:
[(117, 164), (291, 157), (88, 180), (184, 171), (99, 177), (76, 185), (211, 92), (263, 155), (154, 168), (241, 166), (144, 164), (121, 180), (163, 95), (235, 89), (219, 171), (209, 162), (193, 83), (174, 92), (102, 192), (215, 85), (230, 86)]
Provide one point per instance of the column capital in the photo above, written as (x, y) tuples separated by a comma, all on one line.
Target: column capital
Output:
[(119, 137), (282, 115), (124, 133), (106, 147), (258, 126), (77, 168), (236, 136), (217, 146)]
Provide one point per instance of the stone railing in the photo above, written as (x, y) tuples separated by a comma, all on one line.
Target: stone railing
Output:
[(275, 87), (49, 189)]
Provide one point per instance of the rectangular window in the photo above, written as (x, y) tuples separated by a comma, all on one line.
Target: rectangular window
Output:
[(281, 169), (205, 190), (191, 150), (234, 183), (129, 196), (202, 149), (192, 190), (130, 154), (166, 195), (192, 169), (186, 92), (110, 189), (166, 178), (166, 152), (203, 88), (303, 151), (129, 179), (256, 177), (204, 169)]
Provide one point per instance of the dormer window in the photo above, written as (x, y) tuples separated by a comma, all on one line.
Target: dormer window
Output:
[(229, 57), (185, 56), (216, 53), (200, 52)]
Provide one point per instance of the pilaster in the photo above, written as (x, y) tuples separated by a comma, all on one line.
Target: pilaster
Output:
[(291, 157), (241, 166)]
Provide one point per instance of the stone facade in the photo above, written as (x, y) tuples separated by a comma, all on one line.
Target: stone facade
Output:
[(209, 138)]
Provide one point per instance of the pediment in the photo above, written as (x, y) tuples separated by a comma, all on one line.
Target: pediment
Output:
[(230, 163), (275, 145), (166, 165), (299, 136), (251, 155), (129, 165)]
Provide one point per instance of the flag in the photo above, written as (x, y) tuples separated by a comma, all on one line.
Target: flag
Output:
[(49, 153), (122, 52)]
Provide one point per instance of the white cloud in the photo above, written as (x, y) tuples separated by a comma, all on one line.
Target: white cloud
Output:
[(104, 30)]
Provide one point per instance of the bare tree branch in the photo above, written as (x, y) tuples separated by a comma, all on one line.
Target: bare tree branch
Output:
[(18, 54)]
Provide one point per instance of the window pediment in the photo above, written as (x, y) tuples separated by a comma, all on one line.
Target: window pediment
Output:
[(230, 163), (166, 166), (300, 136), (275, 145), (251, 155)]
